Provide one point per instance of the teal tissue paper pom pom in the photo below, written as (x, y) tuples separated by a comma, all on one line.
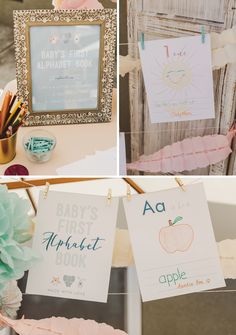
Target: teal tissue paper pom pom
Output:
[(15, 258)]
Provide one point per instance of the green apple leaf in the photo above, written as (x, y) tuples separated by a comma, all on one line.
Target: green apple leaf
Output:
[(177, 219)]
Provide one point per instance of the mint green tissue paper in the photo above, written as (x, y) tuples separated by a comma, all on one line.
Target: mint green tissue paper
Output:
[(15, 258)]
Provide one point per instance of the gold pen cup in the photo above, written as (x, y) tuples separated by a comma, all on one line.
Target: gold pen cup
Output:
[(8, 149)]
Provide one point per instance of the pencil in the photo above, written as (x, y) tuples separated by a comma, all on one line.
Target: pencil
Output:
[(19, 122), (19, 115), (5, 106), (13, 115), (11, 104), (9, 110), (15, 110)]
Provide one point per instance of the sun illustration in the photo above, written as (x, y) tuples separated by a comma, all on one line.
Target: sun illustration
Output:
[(177, 75)]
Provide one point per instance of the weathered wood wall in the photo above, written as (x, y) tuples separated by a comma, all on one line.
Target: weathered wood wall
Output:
[(200, 9), (173, 18)]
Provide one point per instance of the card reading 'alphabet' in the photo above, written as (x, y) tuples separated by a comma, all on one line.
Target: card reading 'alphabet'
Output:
[(75, 236), (178, 79), (173, 242)]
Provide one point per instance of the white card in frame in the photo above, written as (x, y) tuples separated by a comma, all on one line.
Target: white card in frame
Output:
[(65, 64)]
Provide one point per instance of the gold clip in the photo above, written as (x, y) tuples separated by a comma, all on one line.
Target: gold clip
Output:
[(45, 192), (180, 183), (129, 196), (109, 195)]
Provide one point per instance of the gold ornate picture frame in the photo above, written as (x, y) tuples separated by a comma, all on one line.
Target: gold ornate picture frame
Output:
[(65, 61)]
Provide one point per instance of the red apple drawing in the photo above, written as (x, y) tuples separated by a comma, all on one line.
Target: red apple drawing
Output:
[(175, 238)]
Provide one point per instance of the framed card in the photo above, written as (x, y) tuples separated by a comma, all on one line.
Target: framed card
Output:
[(65, 64)]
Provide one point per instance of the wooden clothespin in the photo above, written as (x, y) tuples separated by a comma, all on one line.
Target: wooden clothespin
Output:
[(203, 34), (180, 183), (46, 190), (109, 196), (129, 196)]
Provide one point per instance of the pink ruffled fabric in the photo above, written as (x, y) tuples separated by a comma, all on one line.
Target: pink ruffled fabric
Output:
[(80, 4), (187, 155), (59, 326)]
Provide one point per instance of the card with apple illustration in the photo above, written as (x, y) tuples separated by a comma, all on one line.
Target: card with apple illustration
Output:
[(173, 242)]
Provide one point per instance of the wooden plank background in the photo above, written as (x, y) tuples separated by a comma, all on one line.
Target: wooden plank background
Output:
[(144, 16), (201, 9)]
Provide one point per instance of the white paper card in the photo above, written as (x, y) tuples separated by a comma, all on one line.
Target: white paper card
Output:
[(178, 79), (75, 236), (173, 242), (102, 163)]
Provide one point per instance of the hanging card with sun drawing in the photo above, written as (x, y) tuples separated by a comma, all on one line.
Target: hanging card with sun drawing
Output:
[(178, 79)]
